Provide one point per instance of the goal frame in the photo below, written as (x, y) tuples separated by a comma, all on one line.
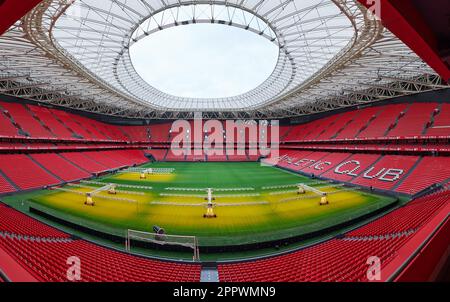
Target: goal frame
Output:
[(147, 237)]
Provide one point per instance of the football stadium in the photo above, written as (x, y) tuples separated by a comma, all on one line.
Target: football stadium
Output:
[(224, 141)]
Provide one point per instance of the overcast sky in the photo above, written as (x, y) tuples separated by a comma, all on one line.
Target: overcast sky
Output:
[(204, 60)]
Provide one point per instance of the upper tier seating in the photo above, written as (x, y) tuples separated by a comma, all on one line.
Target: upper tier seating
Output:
[(160, 132), (333, 261), (384, 120), (441, 125), (431, 170), (71, 122), (7, 128), (284, 131), (301, 133), (5, 186), (25, 119), (137, 133), (48, 127), (415, 120), (91, 127), (48, 118), (317, 127), (47, 261), (397, 120), (338, 124), (361, 119), (111, 131)]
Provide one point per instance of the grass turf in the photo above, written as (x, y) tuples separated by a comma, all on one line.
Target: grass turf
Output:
[(235, 224)]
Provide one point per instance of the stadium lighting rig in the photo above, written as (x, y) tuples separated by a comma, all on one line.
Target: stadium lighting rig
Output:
[(110, 188)]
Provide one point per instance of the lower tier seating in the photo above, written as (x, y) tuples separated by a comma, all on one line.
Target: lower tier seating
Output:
[(404, 174), (84, 162), (407, 218), (103, 159), (387, 172), (44, 252), (14, 222), (333, 261), (386, 121), (24, 118)]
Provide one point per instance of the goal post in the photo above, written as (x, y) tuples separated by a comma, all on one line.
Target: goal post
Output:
[(188, 242)]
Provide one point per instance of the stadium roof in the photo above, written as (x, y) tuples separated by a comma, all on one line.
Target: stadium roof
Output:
[(333, 53)]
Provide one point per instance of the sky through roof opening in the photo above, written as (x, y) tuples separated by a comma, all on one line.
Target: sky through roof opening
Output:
[(204, 60)]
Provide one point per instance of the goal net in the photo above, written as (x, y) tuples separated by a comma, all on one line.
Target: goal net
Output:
[(187, 243)]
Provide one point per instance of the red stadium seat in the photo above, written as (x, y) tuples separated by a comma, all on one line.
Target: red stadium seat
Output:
[(60, 167), (430, 171), (26, 173), (5, 186), (387, 172)]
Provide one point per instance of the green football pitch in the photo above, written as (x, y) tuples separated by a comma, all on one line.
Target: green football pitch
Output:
[(254, 203)]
